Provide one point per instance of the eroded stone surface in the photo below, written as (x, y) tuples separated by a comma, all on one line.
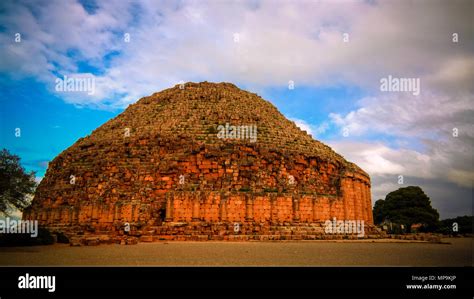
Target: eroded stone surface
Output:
[(160, 167)]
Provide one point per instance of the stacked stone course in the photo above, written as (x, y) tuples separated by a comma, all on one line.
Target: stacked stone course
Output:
[(160, 168)]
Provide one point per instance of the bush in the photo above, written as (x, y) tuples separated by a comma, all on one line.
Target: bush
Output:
[(407, 206), (465, 225)]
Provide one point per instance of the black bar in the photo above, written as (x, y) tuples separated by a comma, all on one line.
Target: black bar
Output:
[(242, 282)]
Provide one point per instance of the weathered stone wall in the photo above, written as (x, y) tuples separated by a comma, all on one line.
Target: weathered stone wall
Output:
[(217, 207), (160, 162)]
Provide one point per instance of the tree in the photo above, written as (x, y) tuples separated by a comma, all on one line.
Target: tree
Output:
[(379, 211), (406, 206), (15, 183), (464, 225)]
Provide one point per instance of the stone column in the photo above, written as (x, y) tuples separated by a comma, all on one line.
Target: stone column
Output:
[(360, 190), (248, 208), (296, 209), (345, 197), (115, 212), (106, 213), (273, 206), (368, 206), (137, 212), (75, 213), (101, 212), (71, 214), (223, 210), (364, 201), (361, 193), (370, 217), (315, 207), (353, 199), (49, 218), (196, 207), (132, 216), (356, 200), (169, 203), (94, 212)]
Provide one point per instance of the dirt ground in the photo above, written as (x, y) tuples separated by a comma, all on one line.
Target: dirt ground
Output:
[(305, 253)]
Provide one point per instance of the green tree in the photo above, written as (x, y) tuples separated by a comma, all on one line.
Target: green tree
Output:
[(406, 206), (464, 225), (15, 183), (379, 211)]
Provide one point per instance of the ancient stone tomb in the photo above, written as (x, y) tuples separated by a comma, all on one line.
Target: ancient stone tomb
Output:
[(163, 170)]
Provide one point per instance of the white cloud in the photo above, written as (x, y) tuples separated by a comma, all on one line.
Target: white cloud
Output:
[(399, 114), (449, 188), (379, 159), (450, 161), (278, 41), (463, 177), (424, 128), (313, 130), (303, 125), (444, 163)]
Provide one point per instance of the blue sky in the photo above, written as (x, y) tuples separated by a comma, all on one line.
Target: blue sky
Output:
[(49, 125), (332, 52)]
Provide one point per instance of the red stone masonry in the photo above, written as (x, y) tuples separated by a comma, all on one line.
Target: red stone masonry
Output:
[(171, 177)]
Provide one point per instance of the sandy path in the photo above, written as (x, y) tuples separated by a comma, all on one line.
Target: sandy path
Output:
[(310, 253)]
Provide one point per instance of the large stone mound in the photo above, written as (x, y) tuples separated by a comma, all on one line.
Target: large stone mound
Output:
[(171, 167)]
